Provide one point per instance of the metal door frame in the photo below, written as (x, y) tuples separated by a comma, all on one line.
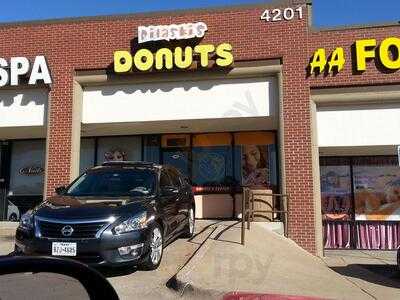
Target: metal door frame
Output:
[(5, 163)]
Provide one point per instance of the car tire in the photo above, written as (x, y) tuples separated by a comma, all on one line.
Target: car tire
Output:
[(189, 228), (13, 217), (17, 251), (156, 248)]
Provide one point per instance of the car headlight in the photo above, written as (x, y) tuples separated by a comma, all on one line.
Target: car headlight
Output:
[(134, 223), (26, 220)]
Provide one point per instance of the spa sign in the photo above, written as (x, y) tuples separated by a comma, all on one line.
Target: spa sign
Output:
[(168, 58), (386, 54), (11, 71)]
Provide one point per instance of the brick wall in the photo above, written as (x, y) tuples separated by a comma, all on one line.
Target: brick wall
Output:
[(89, 44)]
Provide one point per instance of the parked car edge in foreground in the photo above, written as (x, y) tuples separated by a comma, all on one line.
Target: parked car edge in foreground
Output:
[(117, 214)]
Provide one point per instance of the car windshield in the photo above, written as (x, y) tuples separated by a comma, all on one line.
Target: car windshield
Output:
[(114, 182)]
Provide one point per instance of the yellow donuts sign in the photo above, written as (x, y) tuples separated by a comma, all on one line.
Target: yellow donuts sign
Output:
[(203, 55), (386, 54)]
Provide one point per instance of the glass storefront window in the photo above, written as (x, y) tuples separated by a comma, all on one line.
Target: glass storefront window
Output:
[(178, 159), (87, 154), (151, 151), (336, 192), (373, 186), (27, 167), (255, 158), (215, 160), (212, 160), (176, 152), (377, 192), (119, 149)]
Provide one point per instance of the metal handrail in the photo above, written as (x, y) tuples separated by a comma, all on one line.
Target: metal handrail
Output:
[(248, 211)]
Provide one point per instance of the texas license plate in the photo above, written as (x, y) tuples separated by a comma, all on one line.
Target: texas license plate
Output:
[(63, 249)]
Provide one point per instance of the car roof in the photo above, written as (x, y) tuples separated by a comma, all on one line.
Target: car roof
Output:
[(130, 164)]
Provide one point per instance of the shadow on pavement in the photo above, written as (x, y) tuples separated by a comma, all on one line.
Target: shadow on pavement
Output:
[(203, 230), (217, 237), (388, 275)]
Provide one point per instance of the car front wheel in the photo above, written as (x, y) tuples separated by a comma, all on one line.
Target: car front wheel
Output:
[(156, 243), (13, 218)]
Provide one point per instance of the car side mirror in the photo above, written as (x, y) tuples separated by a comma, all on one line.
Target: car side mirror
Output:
[(169, 191), (61, 190)]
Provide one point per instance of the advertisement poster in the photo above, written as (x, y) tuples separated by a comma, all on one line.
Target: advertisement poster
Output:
[(254, 165), (336, 192), (209, 167), (115, 155), (377, 193)]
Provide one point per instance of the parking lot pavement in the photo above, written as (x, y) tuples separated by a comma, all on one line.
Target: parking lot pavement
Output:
[(152, 284), (41, 286), (128, 283)]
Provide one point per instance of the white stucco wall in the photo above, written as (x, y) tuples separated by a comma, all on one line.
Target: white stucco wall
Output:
[(23, 107), (362, 125), (188, 100)]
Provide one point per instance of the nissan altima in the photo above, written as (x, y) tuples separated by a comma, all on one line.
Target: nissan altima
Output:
[(120, 213)]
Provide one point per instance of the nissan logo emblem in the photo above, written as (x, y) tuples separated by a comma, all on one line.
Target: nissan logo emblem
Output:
[(67, 230)]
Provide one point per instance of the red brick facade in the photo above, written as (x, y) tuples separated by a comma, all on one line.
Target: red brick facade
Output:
[(89, 44)]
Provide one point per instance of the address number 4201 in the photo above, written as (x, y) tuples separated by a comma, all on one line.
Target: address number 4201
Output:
[(278, 14)]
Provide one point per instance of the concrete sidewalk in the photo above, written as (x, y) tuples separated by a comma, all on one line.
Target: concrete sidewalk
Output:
[(7, 233), (375, 272), (268, 263)]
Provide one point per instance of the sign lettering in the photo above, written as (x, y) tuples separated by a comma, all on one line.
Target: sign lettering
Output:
[(10, 72), (387, 54), (165, 58), (171, 32)]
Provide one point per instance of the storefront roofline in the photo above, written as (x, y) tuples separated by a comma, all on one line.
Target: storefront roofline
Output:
[(152, 14), (211, 9), (371, 94), (355, 27)]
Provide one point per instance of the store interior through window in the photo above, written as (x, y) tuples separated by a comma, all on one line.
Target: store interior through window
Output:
[(361, 202)]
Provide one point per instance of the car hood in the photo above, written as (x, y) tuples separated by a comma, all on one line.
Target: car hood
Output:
[(68, 207)]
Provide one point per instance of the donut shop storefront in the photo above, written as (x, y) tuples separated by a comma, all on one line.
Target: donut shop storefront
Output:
[(248, 96)]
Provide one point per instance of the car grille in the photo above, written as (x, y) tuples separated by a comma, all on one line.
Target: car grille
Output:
[(80, 230)]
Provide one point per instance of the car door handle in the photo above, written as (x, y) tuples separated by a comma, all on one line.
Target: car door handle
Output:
[(2, 180)]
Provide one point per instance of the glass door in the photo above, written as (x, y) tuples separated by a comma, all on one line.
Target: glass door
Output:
[(178, 158), (176, 152), (4, 179)]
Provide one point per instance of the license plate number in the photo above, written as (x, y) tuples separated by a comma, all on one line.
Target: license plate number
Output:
[(63, 249)]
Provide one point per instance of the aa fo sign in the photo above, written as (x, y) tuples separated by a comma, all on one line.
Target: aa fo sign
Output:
[(386, 54), (10, 72)]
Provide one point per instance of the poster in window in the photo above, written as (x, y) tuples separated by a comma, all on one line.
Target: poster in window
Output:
[(115, 154), (254, 165), (119, 149), (211, 166), (335, 192), (377, 193)]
